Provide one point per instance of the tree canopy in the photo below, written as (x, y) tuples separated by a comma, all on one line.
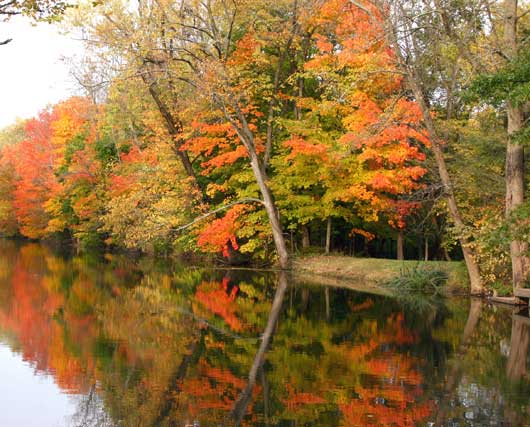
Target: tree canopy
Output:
[(366, 127)]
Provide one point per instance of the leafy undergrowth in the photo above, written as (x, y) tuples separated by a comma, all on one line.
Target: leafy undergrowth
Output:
[(420, 278), (503, 289)]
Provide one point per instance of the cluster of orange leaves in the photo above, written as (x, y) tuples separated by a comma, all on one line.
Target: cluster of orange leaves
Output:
[(220, 233)]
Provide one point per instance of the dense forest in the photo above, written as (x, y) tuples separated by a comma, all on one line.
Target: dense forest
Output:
[(256, 130)]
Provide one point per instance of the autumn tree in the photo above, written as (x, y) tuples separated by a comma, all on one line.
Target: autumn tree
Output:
[(229, 81), (355, 141), (176, 47), (9, 136), (409, 30), (33, 160), (75, 205)]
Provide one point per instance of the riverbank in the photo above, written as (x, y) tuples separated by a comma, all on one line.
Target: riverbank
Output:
[(371, 273)]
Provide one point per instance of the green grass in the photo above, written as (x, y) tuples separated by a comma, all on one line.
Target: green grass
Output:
[(375, 271)]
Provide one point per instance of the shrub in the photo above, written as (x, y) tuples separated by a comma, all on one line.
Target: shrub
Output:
[(420, 279)]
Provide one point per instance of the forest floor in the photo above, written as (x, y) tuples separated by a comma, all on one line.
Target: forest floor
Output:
[(371, 273)]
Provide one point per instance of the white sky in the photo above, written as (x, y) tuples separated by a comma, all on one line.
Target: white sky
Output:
[(32, 74)]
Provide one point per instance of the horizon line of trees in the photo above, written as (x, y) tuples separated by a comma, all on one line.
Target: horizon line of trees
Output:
[(294, 122)]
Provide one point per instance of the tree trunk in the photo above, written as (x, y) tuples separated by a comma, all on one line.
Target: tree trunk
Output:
[(514, 154), (515, 195), (366, 249), (426, 249), (400, 252), (446, 254), (306, 241), (273, 101), (328, 236)]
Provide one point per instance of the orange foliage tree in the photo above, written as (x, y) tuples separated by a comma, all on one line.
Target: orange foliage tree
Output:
[(358, 146)]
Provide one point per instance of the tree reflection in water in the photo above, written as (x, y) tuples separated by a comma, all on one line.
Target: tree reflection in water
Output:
[(145, 343), (90, 411), (240, 408)]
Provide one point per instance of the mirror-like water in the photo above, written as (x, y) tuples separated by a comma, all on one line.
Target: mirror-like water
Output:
[(115, 342)]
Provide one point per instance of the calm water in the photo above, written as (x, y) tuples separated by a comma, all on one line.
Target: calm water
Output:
[(111, 342)]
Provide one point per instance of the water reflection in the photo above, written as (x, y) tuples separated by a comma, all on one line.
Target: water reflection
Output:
[(240, 408), (145, 343)]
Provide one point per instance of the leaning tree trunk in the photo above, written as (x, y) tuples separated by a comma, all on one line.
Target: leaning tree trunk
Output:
[(173, 125), (272, 213), (414, 82), (247, 139), (471, 264), (514, 155)]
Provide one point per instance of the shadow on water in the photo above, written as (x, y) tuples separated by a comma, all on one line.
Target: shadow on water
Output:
[(147, 343)]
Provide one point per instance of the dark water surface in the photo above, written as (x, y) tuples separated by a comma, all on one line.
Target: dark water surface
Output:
[(88, 341)]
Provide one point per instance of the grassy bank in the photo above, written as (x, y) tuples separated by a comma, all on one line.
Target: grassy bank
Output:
[(371, 272)]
